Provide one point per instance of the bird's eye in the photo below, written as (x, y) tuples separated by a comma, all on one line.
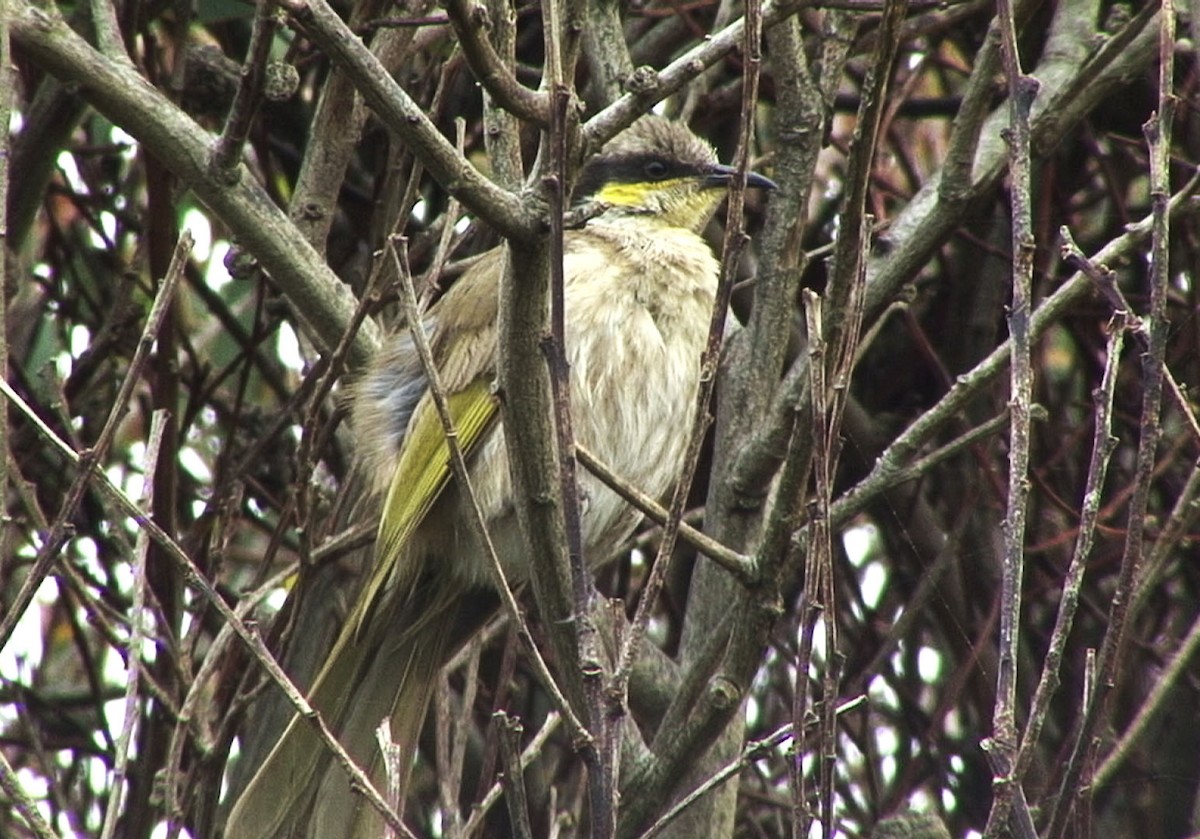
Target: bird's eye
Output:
[(656, 170)]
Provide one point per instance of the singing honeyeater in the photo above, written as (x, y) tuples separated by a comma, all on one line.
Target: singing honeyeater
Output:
[(639, 284)]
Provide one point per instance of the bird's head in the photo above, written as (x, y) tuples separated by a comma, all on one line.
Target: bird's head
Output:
[(659, 172)]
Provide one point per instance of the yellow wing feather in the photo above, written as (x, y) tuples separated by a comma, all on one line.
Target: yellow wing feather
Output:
[(422, 472)]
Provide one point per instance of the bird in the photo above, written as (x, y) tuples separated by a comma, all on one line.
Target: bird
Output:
[(639, 284)]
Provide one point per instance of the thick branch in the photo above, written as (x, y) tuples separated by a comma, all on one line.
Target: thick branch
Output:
[(502, 210), (116, 90), (470, 24)]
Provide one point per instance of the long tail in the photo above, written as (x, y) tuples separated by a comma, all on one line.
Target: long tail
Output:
[(388, 670)]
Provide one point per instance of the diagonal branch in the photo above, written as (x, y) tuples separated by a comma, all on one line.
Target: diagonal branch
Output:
[(502, 210), (59, 533), (470, 22), (194, 578), (116, 89)]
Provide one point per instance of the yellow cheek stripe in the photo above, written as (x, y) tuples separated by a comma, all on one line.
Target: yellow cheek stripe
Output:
[(633, 194)]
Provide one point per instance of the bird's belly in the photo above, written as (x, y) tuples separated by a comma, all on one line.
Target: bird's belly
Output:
[(635, 417), (634, 374), (633, 396)]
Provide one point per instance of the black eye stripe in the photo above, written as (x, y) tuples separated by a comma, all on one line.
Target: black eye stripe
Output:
[(635, 168), (628, 169)]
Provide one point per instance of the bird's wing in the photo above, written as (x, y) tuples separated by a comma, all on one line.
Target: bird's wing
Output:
[(421, 475), (463, 340), (463, 343)]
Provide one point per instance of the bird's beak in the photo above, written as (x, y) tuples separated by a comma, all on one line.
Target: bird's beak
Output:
[(720, 175)]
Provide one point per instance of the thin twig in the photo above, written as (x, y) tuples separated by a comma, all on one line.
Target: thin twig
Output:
[(198, 693), (646, 87), (449, 221), (1003, 744), (1083, 801), (392, 755), (477, 522), (1175, 533), (7, 236), (1164, 685), (600, 756), (99, 613), (1103, 444), (601, 761), (734, 241), (463, 731), (117, 90), (740, 565), (137, 633), (513, 777), (815, 565), (502, 210), (751, 752), (452, 730), (838, 330), (480, 810), (227, 151), (866, 491), (194, 578), (833, 333), (1158, 137), (13, 789), (59, 532), (326, 373), (969, 385), (1106, 284)]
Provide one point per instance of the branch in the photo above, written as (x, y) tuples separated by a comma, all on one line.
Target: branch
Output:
[(1002, 746), (462, 478), (531, 752), (740, 565), (502, 131), (1158, 138), (502, 210), (471, 23), (969, 385), (734, 242), (513, 778), (194, 578), (1074, 77), (1164, 685), (199, 695), (753, 751), (11, 784), (60, 531), (137, 634), (122, 95), (1103, 444), (718, 605), (606, 53), (7, 76), (228, 149), (336, 128), (647, 87)]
